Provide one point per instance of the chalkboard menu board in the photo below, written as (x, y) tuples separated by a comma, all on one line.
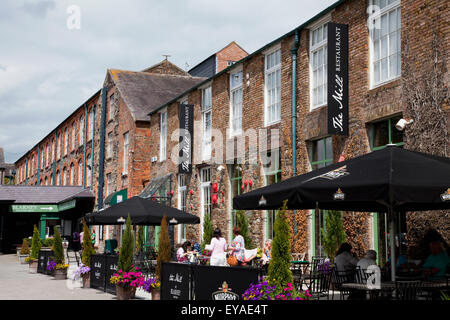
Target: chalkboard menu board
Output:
[(111, 268), (176, 281), (44, 256), (222, 283), (98, 271)]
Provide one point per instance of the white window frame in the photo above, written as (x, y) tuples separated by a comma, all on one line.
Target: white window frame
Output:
[(377, 15), (108, 184), (58, 146), (110, 145), (235, 90), (206, 138), (47, 157), (81, 134), (267, 73), (72, 174), (72, 141), (88, 170), (80, 173), (90, 127), (66, 142), (204, 200), (126, 146), (322, 45), (182, 189), (163, 135)]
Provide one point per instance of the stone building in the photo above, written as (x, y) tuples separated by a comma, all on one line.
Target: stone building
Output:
[(7, 172), (393, 46)]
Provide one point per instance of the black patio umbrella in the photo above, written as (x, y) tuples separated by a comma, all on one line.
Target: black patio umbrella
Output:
[(142, 212), (388, 180)]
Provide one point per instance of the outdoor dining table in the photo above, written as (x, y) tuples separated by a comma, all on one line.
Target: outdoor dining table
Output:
[(389, 286)]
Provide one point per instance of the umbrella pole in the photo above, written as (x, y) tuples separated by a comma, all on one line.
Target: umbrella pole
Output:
[(392, 241)]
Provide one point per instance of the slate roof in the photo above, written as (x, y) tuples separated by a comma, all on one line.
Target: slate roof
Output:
[(42, 194), (143, 92)]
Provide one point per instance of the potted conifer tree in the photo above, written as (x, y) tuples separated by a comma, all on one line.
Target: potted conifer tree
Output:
[(88, 251), (60, 272), (164, 254), (35, 247), (24, 251)]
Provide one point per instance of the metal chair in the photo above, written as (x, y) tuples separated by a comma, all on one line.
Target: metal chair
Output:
[(319, 285), (340, 277), (407, 290), (297, 275), (315, 261)]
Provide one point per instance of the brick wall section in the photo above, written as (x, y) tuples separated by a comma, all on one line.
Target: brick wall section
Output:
[(232, 52)]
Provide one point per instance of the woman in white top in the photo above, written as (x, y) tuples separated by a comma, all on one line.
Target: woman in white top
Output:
[(218, 247)]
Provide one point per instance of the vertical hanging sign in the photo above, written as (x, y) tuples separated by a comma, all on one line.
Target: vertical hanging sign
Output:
[(186, 116), (337, 79)]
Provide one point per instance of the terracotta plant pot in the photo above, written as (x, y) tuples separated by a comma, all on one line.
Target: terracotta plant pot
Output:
[(33, 267), (60, 274), (86, 279), (123, 293), (156, 294)]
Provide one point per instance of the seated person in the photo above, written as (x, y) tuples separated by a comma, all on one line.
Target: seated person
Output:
[(435, 265), (249, 255), (267, 252), (183, 251), (344, 259), (369, 259)]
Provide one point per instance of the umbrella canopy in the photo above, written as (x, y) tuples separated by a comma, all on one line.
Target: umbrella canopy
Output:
[(142, 212), (389, 179)]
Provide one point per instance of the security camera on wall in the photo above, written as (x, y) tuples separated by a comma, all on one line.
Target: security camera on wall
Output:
[(402, 123)]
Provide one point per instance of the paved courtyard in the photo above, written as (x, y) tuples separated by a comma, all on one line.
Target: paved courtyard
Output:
[(16, 283)]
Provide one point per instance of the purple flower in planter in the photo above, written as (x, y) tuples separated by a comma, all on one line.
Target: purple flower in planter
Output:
[(51, 265)]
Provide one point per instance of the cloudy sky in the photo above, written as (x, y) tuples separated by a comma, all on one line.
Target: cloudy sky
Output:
[(48, 69)]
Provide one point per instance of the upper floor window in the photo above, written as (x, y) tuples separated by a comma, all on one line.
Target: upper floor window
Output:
[(321, 153), (90, 127), (66, 141), (88, 170), (163, 135), (80, 173), (236, 103), (74, 132), (206, 123), (384, 44), (110, 146), (125, 152), (81, 132), (272, 87), (318, 65)]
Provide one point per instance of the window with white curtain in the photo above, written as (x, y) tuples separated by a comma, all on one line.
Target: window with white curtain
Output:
[(72, 174), (163, 135), (206, 123), (47, 157), (205, 197), (88, 170), (74, 131), (385, 49), (90, 125), (80, 173), (318, 65), (236, 103), (66, 141), (125, 152), (182, 192), (109, 146), (272, 87), (81, 132)]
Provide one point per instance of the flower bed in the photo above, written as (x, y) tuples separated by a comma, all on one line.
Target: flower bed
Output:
[(265, 290), (133, 279)]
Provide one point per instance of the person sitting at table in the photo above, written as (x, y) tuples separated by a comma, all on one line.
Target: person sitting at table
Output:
[(238, 246), (218, 247), (183, 251), (369, 259), (267, 253), (344, 259), (435, 265)]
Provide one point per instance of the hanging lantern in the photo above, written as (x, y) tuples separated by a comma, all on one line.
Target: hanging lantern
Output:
[(214, 198), (192, 206), (223, 192), (250, 182), (191, 192), (223, 200), (242, 187), (215, 187), (171, 192), (245, 182)]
